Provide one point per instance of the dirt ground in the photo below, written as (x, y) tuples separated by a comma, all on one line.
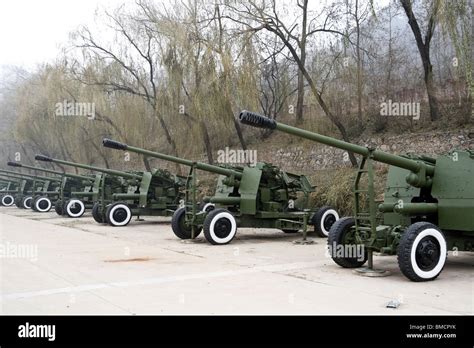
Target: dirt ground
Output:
[(55, 265)]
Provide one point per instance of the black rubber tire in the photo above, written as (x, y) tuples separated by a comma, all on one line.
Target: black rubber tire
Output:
[(65, 212), (63, 207), (106, 219), (12, 200), (178, 227), (23, 201), (96, 214), (58, 207), (208, 209), (405, 247), (39, 199), (207, 227), (18, 200), (335, 238), (108, 213), (316, 220), (33, 202)]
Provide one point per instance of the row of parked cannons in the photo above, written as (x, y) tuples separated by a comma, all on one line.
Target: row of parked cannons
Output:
[(427, 210)]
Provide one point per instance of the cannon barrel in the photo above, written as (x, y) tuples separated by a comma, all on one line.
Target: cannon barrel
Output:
[(75, 176), (88, 167), (409, 208), (8, 178), (31, 177), (259, 121), (199, 165)]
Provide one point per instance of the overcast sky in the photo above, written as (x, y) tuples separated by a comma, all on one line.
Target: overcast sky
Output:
[(31, 31)]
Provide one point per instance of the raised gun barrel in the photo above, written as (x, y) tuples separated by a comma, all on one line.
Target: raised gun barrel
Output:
[(9, 179), (29, 176), (75, 176), (420, 169), (85, 166), (199, 165)]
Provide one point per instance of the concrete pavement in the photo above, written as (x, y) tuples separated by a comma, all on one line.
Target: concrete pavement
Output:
[(75, 266)]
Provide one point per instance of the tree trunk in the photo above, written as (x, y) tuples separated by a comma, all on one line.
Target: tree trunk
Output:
[(359, 68), (424, 50), (300, 97), (100, 153), (239, 134), (431, 91), (315, 92), (207, 142), (336, 122), (146, 163), (169, 139)]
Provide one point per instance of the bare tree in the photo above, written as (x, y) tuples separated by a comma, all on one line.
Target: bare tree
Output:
[(423, 45), (257, 16), (137, 60), (359, 16)]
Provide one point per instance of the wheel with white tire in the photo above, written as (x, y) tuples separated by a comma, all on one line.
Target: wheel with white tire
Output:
[(74, 208), (207, 207), (42, 204), (422, 252), (179, 226), (220, 227), (118, 214), (26, 202), (8, 200), (323, 220)]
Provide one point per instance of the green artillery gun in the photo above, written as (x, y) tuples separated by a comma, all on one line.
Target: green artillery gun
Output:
[(7, 184), (428, 207), (262, 196), (12, 187), (30, 185), (121, 195), (50, 195), (78, 193), (42, 198), (4, 184)]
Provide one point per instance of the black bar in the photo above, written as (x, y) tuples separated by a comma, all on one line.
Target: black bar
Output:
[(242, 330)]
